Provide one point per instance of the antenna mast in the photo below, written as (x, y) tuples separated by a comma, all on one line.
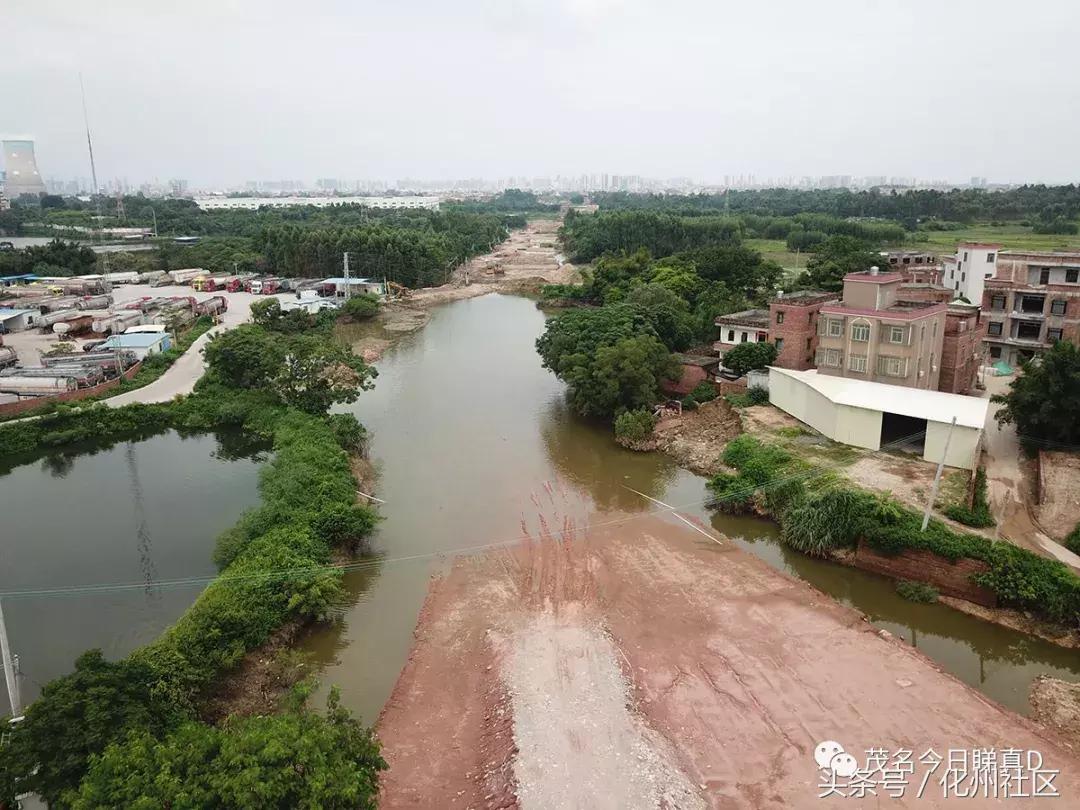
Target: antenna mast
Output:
[(89, 143)]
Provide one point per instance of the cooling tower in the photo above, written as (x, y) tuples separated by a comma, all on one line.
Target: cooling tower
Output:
[(22, 176)]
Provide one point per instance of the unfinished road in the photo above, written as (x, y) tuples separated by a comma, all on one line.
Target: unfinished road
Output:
[(640, 664)]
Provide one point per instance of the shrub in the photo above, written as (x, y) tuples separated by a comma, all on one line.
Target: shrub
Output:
[(634, 427), (916, 591), (1072, 542), (350, 434), (758, 395), (828, 521), (749, 356), (978, 516), (361, 307), (704, 392), (689, 403)]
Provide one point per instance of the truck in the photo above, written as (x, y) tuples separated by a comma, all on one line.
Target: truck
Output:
[(74, 326), (186, 276), (94, 302), (123, 278), (266, 286), (236, 283), (209, 283), (212, 306), (116, 323), (37, 386), (8, 357)]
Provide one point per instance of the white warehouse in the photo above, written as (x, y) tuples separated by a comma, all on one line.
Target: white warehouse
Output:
[(871, 415)]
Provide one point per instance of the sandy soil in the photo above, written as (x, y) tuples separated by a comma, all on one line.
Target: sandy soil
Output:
[(543, 670), (697, 438), (1057, 704), (1059, 509)]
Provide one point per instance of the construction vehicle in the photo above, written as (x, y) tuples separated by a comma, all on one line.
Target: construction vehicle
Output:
[(399, 292)]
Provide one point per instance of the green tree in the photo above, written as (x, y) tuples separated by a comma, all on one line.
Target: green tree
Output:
[(361, 307), (294, 760), (749, 356), (1044, 400), (835, 258), (244, 357), (595, 351), (317, 373), (668, 314), (75, 717)]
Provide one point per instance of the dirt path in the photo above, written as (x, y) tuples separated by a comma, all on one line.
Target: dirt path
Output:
[(1010, 490), (541, 672)]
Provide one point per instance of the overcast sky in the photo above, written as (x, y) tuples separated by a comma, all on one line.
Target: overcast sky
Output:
[(222, 91)]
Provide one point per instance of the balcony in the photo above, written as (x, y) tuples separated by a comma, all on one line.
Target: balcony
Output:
[(1028, 315)]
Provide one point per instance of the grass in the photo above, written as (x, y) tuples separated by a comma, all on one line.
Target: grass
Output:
[(953, 490), (1011, 237), (776, 250)]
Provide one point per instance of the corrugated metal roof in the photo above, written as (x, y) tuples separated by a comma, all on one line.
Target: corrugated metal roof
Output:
[(6, 312), (936, 406), (136, 340)]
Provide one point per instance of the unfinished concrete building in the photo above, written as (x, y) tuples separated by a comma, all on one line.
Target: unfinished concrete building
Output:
[(1031, 303)]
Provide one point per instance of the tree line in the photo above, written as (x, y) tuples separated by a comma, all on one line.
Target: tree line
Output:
[(956, 205)]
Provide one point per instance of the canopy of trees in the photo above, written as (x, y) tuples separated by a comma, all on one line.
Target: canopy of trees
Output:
[(749, 356), (610, 358), (58, 258), (588, 236), (1044, 400), (835, 258)]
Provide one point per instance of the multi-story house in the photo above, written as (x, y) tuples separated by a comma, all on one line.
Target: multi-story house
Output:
[(962, 350), (1032, 302), (917, 266), (749, 326), (966, 272), (793, 326), (873, 335)]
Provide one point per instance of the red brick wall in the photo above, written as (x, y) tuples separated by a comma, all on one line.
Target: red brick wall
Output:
[(799, 326), (11, 408), (960, 356), (938, 294), (691, 376), (951, 579)]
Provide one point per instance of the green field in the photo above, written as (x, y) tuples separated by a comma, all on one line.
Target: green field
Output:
[(776, 250), (1010, 237)]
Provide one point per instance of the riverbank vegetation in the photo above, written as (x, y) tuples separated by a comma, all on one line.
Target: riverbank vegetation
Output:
[(818, 515), (100, 736), (1043, 401)]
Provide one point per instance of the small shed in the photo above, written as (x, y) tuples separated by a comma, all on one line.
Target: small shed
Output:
[(141, 344), (16, 320), (874, 415), (355, 286)]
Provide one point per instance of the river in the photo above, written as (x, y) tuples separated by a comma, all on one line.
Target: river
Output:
[(134, 513), (468, 428)]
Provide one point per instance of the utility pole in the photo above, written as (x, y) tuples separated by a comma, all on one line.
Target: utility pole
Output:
[(937, 476), (348, 286), (9, 668)]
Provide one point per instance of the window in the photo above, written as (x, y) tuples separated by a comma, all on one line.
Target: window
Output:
[(809, 343), (963, 276), (860, 332), (779, 316), (730, 335), (835, 328), (1057, 307), (857, 362), (965, 255), (997, 302), (907, 260), (743, 337), (1070, 274), (779, 345), (989, 257), (892, 260), (918, 260), (952, 274), (995, 352), (1044, 275), (1029, 331), (1053, 335), (896, 334), (993, 328), (892, 366), (832, 357)]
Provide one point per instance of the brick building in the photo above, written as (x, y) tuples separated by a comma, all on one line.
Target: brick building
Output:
[(874, 335), (917, 266), (793, 326), (961, 350), (1032, 302)]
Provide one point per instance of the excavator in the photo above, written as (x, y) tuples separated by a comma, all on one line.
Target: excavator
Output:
[(398, 292)]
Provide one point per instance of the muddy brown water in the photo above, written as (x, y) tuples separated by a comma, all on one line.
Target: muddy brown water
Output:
[(468, 429), (136, 513)]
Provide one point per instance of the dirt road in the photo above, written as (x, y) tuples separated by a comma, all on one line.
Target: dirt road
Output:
[(640, 664), (1011, 492)]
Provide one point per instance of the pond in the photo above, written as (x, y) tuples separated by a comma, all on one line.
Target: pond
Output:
[(135, 513), (468, 428)]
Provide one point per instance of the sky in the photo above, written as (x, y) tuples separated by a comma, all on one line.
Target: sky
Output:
[(223, 91)]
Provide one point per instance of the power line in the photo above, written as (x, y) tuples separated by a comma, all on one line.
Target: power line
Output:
[(366, 564)]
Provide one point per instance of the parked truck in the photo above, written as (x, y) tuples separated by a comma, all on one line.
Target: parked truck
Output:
[(8, 357), (116, 323), (37, 386), (186, 276), (94, 302), (212, 306)]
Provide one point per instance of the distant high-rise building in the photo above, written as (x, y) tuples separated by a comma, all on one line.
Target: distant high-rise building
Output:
[(22, 175)]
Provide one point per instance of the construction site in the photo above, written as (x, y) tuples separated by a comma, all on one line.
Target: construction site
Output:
[(637, 661)]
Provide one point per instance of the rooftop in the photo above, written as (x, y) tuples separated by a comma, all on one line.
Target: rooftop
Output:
[(136, 340), (350, 280), (748, 317), (874, 278), (696, 360), (8, 312), (803, 297), (935, 406)]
